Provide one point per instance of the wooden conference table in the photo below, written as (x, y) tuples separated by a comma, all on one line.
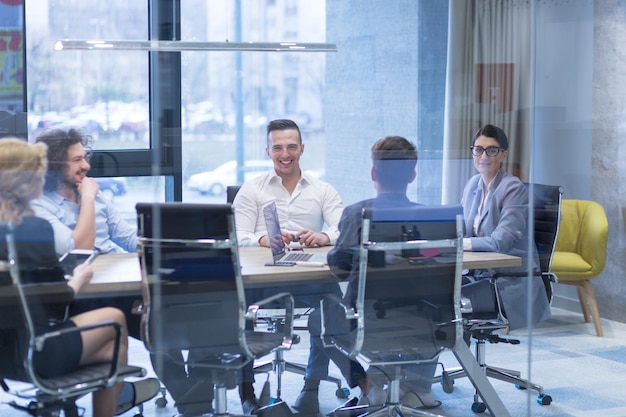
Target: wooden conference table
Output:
[(120, 275)]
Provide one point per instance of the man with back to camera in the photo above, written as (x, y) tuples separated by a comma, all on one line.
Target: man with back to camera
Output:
[(83, 219), (304, 204), (394, 159)]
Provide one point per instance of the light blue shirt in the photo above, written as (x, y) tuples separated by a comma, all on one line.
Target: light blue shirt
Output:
[(113, 233)]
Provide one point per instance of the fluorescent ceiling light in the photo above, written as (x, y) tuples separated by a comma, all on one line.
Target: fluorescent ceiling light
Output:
[(177, 46)]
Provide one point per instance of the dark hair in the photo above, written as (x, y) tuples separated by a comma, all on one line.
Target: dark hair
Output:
[(59, 141), (493, 132), (282, 124), (394, 159)]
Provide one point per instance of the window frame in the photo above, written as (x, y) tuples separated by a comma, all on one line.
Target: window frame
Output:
[(163, 156)]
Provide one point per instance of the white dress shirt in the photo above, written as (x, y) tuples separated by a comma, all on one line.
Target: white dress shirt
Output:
[(313, 204)]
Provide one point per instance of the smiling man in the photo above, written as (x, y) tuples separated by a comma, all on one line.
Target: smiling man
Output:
[(79, 214), (305, 204), (82, 218), (309, 211)]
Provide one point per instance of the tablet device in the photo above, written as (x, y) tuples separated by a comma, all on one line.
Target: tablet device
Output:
[(73, 258)]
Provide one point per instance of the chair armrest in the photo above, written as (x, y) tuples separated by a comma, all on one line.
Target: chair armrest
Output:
[(37, 344), (550, 277), (329, 306), (350, 313), (287, 304)]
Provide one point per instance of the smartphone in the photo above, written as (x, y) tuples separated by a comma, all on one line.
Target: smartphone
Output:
[(73, 258)]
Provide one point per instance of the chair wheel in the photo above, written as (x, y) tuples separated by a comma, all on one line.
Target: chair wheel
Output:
[(479, 407), (518, 386), (447, 383), (544, 399), (342, 392), (161, 402)]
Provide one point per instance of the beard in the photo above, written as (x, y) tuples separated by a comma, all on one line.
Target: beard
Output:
[(70, 184)]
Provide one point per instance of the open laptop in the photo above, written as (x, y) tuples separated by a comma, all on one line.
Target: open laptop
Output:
[(280, 255)]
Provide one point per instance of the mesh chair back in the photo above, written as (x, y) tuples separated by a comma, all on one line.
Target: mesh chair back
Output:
[(183, 220), (27, 310), (193, 290), (546, 215), (416, 278), (546, 200), (191, 279)]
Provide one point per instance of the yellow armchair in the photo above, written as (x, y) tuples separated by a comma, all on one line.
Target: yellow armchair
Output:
[(580, 253)]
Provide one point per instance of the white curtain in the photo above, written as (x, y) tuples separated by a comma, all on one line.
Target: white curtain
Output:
[(487, 82)]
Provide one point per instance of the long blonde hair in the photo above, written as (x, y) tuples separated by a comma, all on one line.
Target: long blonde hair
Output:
[(22, 171)]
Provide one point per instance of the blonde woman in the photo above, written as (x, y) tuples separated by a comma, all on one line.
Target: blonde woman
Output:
[(22, 173)]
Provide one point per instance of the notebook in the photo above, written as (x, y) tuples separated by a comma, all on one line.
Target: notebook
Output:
[(280, 255)]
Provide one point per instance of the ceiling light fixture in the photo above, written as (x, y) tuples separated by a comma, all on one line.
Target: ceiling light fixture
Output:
[(178, 46)]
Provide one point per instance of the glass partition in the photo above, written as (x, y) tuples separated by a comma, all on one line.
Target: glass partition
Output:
[(432, 72)]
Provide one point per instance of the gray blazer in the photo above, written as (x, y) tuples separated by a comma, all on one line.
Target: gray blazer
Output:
[(503, 228)]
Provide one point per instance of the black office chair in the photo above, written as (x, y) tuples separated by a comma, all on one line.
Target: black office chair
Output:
[(194, 298), (481, 326), (547, 217), (22, 308), (231, 192), (424, 292)]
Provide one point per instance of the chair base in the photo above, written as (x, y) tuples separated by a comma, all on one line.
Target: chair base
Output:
[(506, 375), (221, 401), (279, 365), (392, 408), (69, 408), (385, 410), (276, 409)]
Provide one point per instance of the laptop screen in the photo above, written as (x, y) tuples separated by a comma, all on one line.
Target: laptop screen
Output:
[(273, 230)]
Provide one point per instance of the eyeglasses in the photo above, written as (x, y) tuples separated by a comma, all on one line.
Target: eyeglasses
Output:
[(490, 151)]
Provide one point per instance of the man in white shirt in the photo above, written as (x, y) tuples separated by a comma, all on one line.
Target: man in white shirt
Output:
[(305, 205)]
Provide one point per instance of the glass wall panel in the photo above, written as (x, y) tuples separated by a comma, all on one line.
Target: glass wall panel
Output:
[(398, 71)]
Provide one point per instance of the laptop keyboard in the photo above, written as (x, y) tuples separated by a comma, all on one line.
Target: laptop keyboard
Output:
[(297, 257), (283, 263)]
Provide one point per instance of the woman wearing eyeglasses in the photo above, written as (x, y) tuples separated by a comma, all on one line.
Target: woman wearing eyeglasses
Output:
[(495, 208)]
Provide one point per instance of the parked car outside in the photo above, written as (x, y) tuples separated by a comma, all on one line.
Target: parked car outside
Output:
[(112, 187), (215, 182)]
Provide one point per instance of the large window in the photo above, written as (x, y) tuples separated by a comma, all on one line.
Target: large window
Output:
[(182, 114), (228, 97), (106, 94), (103, 93)]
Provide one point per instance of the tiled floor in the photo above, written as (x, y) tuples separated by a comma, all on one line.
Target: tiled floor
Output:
[(582, 372)]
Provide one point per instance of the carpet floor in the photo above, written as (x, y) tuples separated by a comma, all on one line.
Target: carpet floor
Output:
[(583, 373)]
